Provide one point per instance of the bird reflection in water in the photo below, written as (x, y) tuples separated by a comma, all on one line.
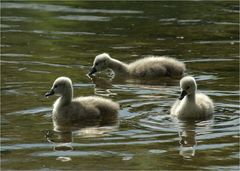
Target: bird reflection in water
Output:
[(187, 140), (62, 134), (188, 131)]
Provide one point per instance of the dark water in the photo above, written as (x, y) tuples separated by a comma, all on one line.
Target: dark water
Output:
[(43, 40)]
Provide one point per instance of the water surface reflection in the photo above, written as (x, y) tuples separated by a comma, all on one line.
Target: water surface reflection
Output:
[(41, 41)]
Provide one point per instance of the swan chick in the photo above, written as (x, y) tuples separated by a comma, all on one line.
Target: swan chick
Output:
[(149, 67), (192, 105), (81, 110)]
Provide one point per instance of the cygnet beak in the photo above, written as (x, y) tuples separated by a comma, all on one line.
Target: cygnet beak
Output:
[(182, 95), (51, 92), (92, 71)]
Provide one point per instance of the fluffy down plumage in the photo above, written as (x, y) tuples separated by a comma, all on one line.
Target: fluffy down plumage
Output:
[(85, 111), (192, 105), (149, 67)]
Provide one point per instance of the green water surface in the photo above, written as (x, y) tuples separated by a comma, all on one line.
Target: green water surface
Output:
[(42, 40)]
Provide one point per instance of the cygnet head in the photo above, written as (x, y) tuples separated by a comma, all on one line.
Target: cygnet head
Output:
[(188, 86), (100, 63), (61, 86)]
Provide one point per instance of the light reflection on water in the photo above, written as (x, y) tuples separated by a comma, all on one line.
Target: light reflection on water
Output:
[(148, 122), (41, 41), (61, 8)]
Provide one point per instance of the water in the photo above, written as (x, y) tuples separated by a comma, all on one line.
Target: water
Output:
[(43, 40)]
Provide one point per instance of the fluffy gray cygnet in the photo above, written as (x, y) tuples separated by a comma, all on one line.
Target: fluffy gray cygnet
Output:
[(149, 67), (69, 111), (192, 105)]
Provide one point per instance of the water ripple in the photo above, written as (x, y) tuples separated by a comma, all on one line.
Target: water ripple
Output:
[(61, 8), (218, 42), (35, 63), (32, 111), (14, 55), (100, 144), (84, 18), (81, 153), (17, 19)]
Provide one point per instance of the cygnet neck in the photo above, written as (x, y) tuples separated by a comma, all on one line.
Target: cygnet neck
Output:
[(117, 66), (67, 95), (191, 97)]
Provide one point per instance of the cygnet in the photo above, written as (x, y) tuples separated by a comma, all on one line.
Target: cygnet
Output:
[(147, 68), (192, 105), (69, 111)]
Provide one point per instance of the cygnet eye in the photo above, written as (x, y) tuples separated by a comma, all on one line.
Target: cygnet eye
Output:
[(96, 63), (55, 86), (187, 87)]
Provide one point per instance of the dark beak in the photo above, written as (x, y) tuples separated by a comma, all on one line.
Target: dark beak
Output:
[(92, 71), (182, 95), (51, 92)]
